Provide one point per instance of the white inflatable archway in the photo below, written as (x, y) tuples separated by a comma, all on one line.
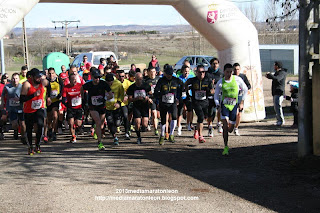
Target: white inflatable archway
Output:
[(219, 21)]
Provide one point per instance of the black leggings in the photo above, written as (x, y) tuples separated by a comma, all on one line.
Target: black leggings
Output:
[(201, 110), (168, 108), (31, 119), (124, 110), (113, 120)]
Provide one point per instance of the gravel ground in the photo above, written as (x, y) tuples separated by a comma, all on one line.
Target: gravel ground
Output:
[(261, 174)]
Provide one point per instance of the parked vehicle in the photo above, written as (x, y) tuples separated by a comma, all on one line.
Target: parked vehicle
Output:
[(194, 60), (93, 57)]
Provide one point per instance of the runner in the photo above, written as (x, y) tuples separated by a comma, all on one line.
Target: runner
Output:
[(96, 101), (152, 82), (236, 71), (138, 94), (113, 106), (53, 107), (32, 94), (185, 103), (71, 97), (229, 87), (168, 91), (23, 74), (201, 87), (13, 106)]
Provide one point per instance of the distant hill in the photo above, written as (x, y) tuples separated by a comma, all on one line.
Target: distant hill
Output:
[(164, 29)]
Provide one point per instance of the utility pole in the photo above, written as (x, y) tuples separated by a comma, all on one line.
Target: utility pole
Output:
[(66, 23), (116, 44), (3, 68), (25, 45)]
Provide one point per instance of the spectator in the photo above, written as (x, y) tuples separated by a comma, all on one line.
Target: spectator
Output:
[(294, 90), (154, 63), (278, 86)]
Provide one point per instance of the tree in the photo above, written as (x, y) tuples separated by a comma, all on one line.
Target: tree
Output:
[(40, 40)]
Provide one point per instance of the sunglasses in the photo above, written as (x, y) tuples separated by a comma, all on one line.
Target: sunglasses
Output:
[(201, 72)]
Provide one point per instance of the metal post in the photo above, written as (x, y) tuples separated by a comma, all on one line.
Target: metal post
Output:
[(25, 45), (3, 68)]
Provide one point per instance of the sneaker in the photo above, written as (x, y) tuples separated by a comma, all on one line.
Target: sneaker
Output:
[(167, 136), (15, 134), (179, 130), (161, 140), (54, 136), (30, 151), (279, 123), (118, 129), (38, 150), (24, 140), (95, 136), (189, 127), (60, 131), (66, 125), (148, 127), (139, 141), (73, 139), (236, 131), (171, 138), (196, 134), (156, 132), (127, 136), (225, 151), (92, 131), (101, 147), (116, 141), (45, 139), (201, 139), (132, 128), (220, 129), (210, 133)]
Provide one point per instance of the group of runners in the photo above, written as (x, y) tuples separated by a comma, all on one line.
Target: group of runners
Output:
[(43, 102)]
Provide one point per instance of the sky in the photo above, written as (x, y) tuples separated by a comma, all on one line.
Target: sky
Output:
[(43, 14)]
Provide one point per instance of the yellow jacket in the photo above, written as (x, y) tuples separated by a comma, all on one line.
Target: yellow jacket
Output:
[(118, 95)]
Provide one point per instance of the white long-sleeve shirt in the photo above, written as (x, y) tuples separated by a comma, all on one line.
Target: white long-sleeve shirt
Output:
[(242, 87)]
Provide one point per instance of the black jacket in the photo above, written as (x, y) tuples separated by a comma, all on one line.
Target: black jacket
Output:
[(245, 79), (214, 75), (278, 81)]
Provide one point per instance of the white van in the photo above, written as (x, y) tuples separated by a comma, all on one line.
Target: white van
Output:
[(93, 57)]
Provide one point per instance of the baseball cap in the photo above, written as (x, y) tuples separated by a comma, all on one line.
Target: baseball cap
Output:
[(168, 70), (36, 73), (109, 77), (96, 73)]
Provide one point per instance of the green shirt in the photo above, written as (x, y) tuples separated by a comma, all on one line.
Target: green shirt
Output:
[(230, 91)]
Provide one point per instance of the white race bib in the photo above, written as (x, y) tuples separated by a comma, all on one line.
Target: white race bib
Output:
[(184, 95), (77, 101), (152, 88), (54, 93), (230, 101), (112, 99), (200, 95), (95, 100), (13, 102), (36, 104), (168, 98), (139, 93)]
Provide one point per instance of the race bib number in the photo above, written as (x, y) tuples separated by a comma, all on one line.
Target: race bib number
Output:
[(152, 88), (96, 100), (230, 101), (13, 102), (36, 104), (184, 95), (77, 101), (139, 93), (200, 95), (110, 100), (168, 98), (54, 93)]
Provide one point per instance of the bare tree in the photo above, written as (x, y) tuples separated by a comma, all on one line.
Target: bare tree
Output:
[(40, 40), (251, 12)]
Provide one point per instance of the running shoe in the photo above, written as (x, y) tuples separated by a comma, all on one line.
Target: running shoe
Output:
[(118, 129), (148, 127), (189, 127), (196, 134), (38, 150), (161, 140), (15, 134), (156, 132), (73, 139), (116, 141), (127, 136), (101, 146), (139, 141), (171, 138), (95, 136), (201, 139), (167, 136), (132, 128), (236, 131), (220, 129), (92, 131), (54, 136), (225, 151), (210, 133), (179, 130), (30, 151), (45, 139)]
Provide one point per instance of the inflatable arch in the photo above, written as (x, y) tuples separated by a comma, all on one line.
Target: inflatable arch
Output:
[(219, 21)]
